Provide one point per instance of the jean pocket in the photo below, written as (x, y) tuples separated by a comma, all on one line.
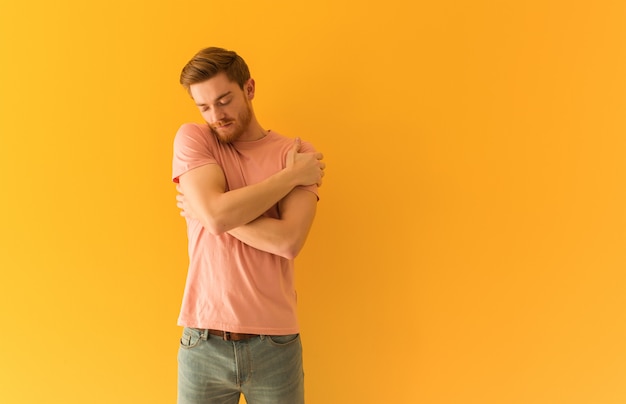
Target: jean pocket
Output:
[(283, 340), (190, 338)]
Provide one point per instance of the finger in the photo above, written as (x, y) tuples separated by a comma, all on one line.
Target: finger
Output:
[(293, 152), (297, 143)]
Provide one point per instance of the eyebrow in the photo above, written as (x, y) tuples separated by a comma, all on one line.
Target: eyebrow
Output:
[(217, 99)]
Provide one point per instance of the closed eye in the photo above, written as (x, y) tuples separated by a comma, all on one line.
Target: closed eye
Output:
[(226, 101), (221, 101)]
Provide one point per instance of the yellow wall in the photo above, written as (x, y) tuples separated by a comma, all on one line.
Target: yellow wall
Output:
[(470, 241)]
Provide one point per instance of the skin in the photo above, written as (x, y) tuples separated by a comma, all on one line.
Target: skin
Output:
[(228, 111)]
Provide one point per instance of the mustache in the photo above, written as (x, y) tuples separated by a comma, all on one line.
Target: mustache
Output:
[(222, 123)]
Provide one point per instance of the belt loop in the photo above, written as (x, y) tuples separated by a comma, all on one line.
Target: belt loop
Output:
[(205, 334), (226, 335)]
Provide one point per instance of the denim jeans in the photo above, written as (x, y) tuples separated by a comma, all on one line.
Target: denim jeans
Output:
[(265, 369)]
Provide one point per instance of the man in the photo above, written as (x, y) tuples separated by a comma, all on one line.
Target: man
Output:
[(249, 197)]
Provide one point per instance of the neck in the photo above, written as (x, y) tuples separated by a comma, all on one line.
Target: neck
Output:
[(254, 132)]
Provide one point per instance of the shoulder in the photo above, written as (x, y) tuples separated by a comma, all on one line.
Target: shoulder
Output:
[(307, 147), (189, 134), (191, 130), (287, 142)]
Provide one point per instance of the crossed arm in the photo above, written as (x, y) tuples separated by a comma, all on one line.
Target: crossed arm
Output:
[(239, 212), (284, 236)]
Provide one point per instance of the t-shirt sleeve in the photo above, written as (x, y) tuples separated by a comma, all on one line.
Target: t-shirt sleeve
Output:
[(192, 149)]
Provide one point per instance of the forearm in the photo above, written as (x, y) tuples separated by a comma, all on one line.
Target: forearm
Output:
[(238, 207), (221, 212), (269, 235), (285, 236)]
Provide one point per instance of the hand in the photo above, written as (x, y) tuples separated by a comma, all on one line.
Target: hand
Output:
[(181, 203), (309, 167)]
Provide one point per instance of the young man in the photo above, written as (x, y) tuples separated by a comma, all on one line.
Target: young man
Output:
[(249, 197)]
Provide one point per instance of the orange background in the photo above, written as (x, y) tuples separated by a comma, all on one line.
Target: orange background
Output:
[(470, 240)]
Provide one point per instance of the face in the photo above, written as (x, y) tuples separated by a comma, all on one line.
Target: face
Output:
[(224, 106)]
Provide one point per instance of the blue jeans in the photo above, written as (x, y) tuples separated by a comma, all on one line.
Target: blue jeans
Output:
[(266, 369)]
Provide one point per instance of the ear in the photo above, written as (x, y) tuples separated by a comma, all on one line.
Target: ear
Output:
[(249, 88)]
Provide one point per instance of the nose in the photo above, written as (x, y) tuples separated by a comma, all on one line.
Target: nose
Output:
[(215, 115)]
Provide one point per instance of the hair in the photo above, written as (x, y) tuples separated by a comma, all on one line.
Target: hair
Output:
[(209, 62)]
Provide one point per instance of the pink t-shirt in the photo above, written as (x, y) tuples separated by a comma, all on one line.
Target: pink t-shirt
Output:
[(232, 286)]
